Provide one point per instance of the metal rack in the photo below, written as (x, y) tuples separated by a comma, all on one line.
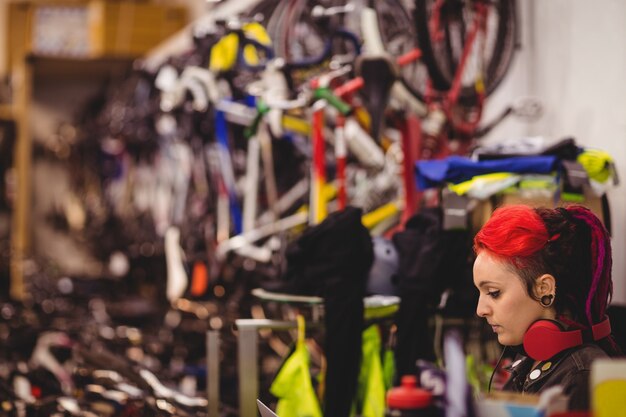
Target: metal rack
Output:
[(248, 359)]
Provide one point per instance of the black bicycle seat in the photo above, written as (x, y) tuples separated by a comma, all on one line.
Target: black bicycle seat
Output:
[(379, 73)]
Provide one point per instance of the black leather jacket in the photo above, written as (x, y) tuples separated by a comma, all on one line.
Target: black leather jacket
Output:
[(570, 369)]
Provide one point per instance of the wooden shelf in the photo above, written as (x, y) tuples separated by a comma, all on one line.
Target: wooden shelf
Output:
[(79, 68), (112, 31)]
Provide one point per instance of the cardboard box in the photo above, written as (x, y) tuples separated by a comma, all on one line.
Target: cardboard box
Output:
[(539, 197), (591, 202), (608, 388), (509, 404)]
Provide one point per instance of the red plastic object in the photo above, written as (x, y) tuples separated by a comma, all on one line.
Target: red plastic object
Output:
[(408, 395)]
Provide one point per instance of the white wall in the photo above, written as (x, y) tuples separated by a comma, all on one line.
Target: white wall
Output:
[(574, 60)]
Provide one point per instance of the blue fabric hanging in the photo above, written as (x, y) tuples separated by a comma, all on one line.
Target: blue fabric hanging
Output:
[(456, 169)]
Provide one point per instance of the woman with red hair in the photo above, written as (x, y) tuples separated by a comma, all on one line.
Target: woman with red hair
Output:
[(544, 281)]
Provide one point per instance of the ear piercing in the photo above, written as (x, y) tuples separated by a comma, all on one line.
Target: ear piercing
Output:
[(547, 300)]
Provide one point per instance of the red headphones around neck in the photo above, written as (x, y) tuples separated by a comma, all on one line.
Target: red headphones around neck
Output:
[(545, 338)]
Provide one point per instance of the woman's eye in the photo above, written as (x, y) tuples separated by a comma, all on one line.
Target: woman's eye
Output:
[(493, 294)]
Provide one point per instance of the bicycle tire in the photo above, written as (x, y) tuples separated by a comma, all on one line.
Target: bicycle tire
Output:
[(399, 37), (263, 10), (441, 58), (395, 22), (296, 35)]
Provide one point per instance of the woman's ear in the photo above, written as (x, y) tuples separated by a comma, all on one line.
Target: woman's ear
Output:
[(545, 285)]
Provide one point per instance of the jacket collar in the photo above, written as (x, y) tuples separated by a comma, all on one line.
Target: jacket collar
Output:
[(523, 366)]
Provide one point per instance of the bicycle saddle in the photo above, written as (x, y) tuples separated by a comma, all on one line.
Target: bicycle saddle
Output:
[(379, 73)]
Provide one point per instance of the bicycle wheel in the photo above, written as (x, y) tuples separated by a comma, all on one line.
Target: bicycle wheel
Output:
[(298, 36), (442, 28), (398, 35), (262, 11)]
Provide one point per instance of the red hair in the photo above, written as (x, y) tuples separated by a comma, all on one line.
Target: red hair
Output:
[(512, 233)]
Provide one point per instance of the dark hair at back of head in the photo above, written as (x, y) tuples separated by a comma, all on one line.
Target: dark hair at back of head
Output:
[(568, 259), (583, 254), (581, 261)]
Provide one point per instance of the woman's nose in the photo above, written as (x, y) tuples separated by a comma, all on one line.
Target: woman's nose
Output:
[(482, 310)]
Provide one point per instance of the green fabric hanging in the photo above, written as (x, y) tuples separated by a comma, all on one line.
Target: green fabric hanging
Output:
[(371, 391), (292, 386), (389, 367)]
